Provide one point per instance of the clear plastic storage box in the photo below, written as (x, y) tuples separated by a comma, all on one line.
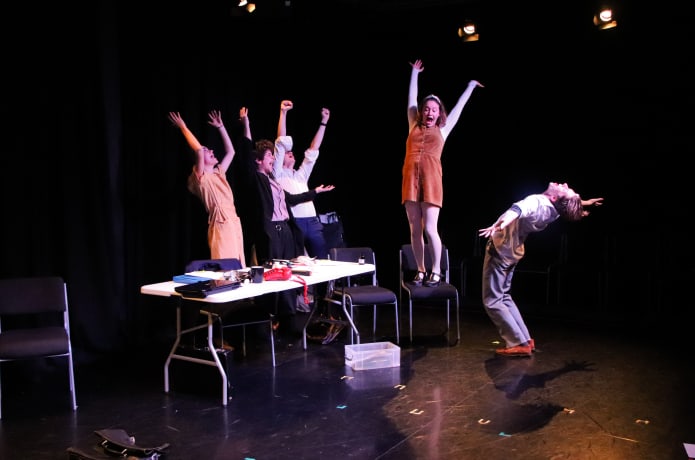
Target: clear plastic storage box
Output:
[(372, 355)]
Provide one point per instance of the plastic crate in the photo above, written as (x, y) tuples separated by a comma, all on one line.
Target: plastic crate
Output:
[(372, 355), (387, 377)]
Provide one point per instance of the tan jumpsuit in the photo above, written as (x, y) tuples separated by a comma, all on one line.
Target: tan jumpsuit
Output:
[(225, 237)]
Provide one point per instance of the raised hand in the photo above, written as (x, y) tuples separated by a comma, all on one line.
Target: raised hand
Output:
[(417, 65)]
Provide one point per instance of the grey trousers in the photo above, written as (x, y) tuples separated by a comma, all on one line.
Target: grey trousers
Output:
[(497, 300)]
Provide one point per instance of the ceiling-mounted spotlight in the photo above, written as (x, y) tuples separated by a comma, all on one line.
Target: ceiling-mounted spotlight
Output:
[(604, 19), (468, 32), (251, 7), (242, 2)]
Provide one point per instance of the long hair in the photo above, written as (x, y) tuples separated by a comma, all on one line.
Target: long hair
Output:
[(441, 121)]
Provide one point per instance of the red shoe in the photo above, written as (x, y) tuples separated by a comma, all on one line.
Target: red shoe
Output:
[(519, 350), (532, 344)]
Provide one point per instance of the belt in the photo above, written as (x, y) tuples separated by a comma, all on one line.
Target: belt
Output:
[(279, 224)]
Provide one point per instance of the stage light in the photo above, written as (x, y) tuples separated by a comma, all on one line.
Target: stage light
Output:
[(604, 19), (468, 32)]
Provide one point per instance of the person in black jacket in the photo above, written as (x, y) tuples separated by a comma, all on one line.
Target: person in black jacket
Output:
[(268, 220)]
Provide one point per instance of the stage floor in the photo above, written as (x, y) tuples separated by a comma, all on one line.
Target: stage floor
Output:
[(585, 394)]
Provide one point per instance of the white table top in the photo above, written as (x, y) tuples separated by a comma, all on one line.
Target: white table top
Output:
[(322, 271)]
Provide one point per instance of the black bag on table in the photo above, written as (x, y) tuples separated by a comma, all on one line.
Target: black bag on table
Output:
[(116, 443), (213, 265)]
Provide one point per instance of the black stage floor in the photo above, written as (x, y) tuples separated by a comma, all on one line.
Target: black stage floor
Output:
[(585, 394)]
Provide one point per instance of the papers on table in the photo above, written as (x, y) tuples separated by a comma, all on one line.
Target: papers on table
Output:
[(200, 275)]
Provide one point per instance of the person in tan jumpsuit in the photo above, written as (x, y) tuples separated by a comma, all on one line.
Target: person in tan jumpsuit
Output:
[(208, 182), (422, 192)]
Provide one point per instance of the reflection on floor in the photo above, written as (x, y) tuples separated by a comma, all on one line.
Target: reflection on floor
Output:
[(585, 394)]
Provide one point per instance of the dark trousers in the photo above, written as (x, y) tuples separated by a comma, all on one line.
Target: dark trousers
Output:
[(314, 239), (281, 245)]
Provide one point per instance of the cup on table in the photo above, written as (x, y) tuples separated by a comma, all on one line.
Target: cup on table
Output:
[(257, 274)]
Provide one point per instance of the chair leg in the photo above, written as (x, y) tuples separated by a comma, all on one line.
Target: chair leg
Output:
[(458, 323), (374, 323), (272, 339), (410, 308), (398, 329), (243, 340), (355, 331), (71, 377)]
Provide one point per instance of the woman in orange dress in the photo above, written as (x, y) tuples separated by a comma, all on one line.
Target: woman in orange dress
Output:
[(422, 192)]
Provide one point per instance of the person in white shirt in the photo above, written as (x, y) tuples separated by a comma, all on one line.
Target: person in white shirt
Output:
[(505, 248), (297, 180)]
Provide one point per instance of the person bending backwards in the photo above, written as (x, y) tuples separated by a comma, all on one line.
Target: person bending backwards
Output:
[(422, 191), (505, 248)]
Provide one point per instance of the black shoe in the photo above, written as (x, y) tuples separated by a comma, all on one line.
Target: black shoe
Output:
[(419, 278), (433, 280)]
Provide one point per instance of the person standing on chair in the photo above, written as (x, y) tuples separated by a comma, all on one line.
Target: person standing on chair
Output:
[(208, 181), (505, 248), (422, 190), (297, 180)]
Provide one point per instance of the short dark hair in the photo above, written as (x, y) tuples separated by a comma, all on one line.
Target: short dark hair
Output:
[(261, 147)]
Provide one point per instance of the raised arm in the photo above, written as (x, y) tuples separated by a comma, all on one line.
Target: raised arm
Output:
[(245, 147), (177, 120), (215, 119), (283, 142), (285, 106), (417, 67), (244, 119), (318, 137), (455, 114), (193, 142)]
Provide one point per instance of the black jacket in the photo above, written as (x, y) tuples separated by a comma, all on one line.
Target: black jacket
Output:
[(255, 207)]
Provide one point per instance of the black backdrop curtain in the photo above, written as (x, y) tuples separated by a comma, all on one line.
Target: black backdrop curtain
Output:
[(94, 174)]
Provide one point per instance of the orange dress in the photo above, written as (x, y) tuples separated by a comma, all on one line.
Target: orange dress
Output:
[(422, 167), (225, 237)]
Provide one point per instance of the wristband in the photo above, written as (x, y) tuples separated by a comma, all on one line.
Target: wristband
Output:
[(323, 124)]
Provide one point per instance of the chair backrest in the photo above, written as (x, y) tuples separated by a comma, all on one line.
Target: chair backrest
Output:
[(409, 264), (353, 254), (32, 295), (34, 319)]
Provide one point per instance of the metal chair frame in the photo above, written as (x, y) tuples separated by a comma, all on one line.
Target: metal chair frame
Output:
[(44, 329), (350, 293), (445, 292)]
